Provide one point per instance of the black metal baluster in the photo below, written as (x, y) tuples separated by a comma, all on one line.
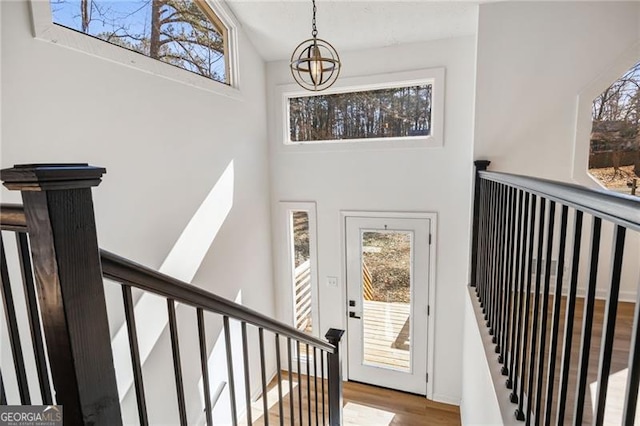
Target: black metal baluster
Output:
[(633, 376), (279, 367), (290, 377), (504, 284), (506, 356), (485, 248), (545, 308), (587, 321), (517, 291), (482, 237), (308, 385), (324, 421), (536, 307), (494, 254), (555, 320), (525, 338), (3, 395), (232, 386), (12, 329), (204, 366), (479, 166), (263, 375), (609, 326), (490, 249), (500, 284), (299, 383), (315, 381), (136, 364), (569, 316), (247, 381), (177, 366), (34, 317)]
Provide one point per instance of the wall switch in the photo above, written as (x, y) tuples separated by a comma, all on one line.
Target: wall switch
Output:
[(332, 281)]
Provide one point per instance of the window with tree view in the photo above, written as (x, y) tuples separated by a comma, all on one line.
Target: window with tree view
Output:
[(398, 112), (614, 155), (183, 33)]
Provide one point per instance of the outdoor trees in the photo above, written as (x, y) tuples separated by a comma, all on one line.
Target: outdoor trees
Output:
[(615, 136), (184, 33), (395, 112)]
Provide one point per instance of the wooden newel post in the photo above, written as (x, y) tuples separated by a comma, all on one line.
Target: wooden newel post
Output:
[(66, 262), (334, 373), (480, 165)]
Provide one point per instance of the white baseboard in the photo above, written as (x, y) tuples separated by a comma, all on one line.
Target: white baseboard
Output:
[(446, 399)]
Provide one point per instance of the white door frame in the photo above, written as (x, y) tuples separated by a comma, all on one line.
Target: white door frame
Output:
[(431, 290)]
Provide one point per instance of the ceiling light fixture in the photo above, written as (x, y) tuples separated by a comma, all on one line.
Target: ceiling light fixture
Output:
[(315, 64)]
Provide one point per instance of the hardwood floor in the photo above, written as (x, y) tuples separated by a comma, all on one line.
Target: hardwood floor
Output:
[(619, 362), (364, 405)]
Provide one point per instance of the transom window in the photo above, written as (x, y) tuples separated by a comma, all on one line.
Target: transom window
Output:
[(380, 111), (384, 113), (184, 33)]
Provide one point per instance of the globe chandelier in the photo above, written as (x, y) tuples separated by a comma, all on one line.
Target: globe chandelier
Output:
[(315, 64)]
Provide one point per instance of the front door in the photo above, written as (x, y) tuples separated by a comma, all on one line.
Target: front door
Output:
[(387, 291)]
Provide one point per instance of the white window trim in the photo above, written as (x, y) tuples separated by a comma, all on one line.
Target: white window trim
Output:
[(584, 119), (46, 30), (433, 76), (287, 308)]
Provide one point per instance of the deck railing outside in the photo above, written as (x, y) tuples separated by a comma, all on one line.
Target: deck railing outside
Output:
[(528, 266), (62, 276)]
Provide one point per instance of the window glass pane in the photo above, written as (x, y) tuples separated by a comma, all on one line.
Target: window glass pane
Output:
[(383, 113), (302, 271), (614, 155), (182, 33), (386, 295)]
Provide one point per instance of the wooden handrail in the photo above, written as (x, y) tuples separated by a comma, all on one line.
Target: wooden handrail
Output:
[(131, 273), (12, 218)]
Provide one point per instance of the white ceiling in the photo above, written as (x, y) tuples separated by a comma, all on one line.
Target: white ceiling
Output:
[(276, 27)]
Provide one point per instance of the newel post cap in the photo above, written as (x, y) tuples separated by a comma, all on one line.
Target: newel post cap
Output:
[(481, 165), (334, 335), (45, 177)]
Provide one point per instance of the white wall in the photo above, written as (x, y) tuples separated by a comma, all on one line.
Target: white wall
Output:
[(480, 404), (164, 145), (534, 59), (537, 61), (423, 179)]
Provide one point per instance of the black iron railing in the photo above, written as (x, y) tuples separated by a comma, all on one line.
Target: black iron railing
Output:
[(520, 225), (62, 275)]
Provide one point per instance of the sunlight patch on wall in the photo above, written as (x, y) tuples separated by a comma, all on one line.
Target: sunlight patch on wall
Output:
[(189, 251), (182, 262)]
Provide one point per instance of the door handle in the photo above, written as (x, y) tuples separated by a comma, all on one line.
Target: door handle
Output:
[(353, 315)]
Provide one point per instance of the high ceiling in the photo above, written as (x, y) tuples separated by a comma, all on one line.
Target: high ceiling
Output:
[(276, 27)]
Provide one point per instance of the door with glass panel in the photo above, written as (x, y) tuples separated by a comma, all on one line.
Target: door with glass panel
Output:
[(387, 291)]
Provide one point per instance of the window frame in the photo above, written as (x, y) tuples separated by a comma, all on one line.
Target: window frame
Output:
[(44, 29), (584, 120), (288, 308), (433, 76)]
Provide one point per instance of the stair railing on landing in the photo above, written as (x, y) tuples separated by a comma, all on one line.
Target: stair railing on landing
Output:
[(522, 240), (62, 272)]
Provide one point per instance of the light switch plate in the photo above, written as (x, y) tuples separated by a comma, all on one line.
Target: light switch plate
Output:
[(332, 281)]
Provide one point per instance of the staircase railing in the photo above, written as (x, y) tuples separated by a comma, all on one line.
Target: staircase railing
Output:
[(62, 273), (520, 225)]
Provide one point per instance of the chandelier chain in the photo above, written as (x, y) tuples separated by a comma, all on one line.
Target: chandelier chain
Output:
[(314, 31)]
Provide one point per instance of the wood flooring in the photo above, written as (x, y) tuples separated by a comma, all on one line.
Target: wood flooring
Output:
[(364, 405)]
